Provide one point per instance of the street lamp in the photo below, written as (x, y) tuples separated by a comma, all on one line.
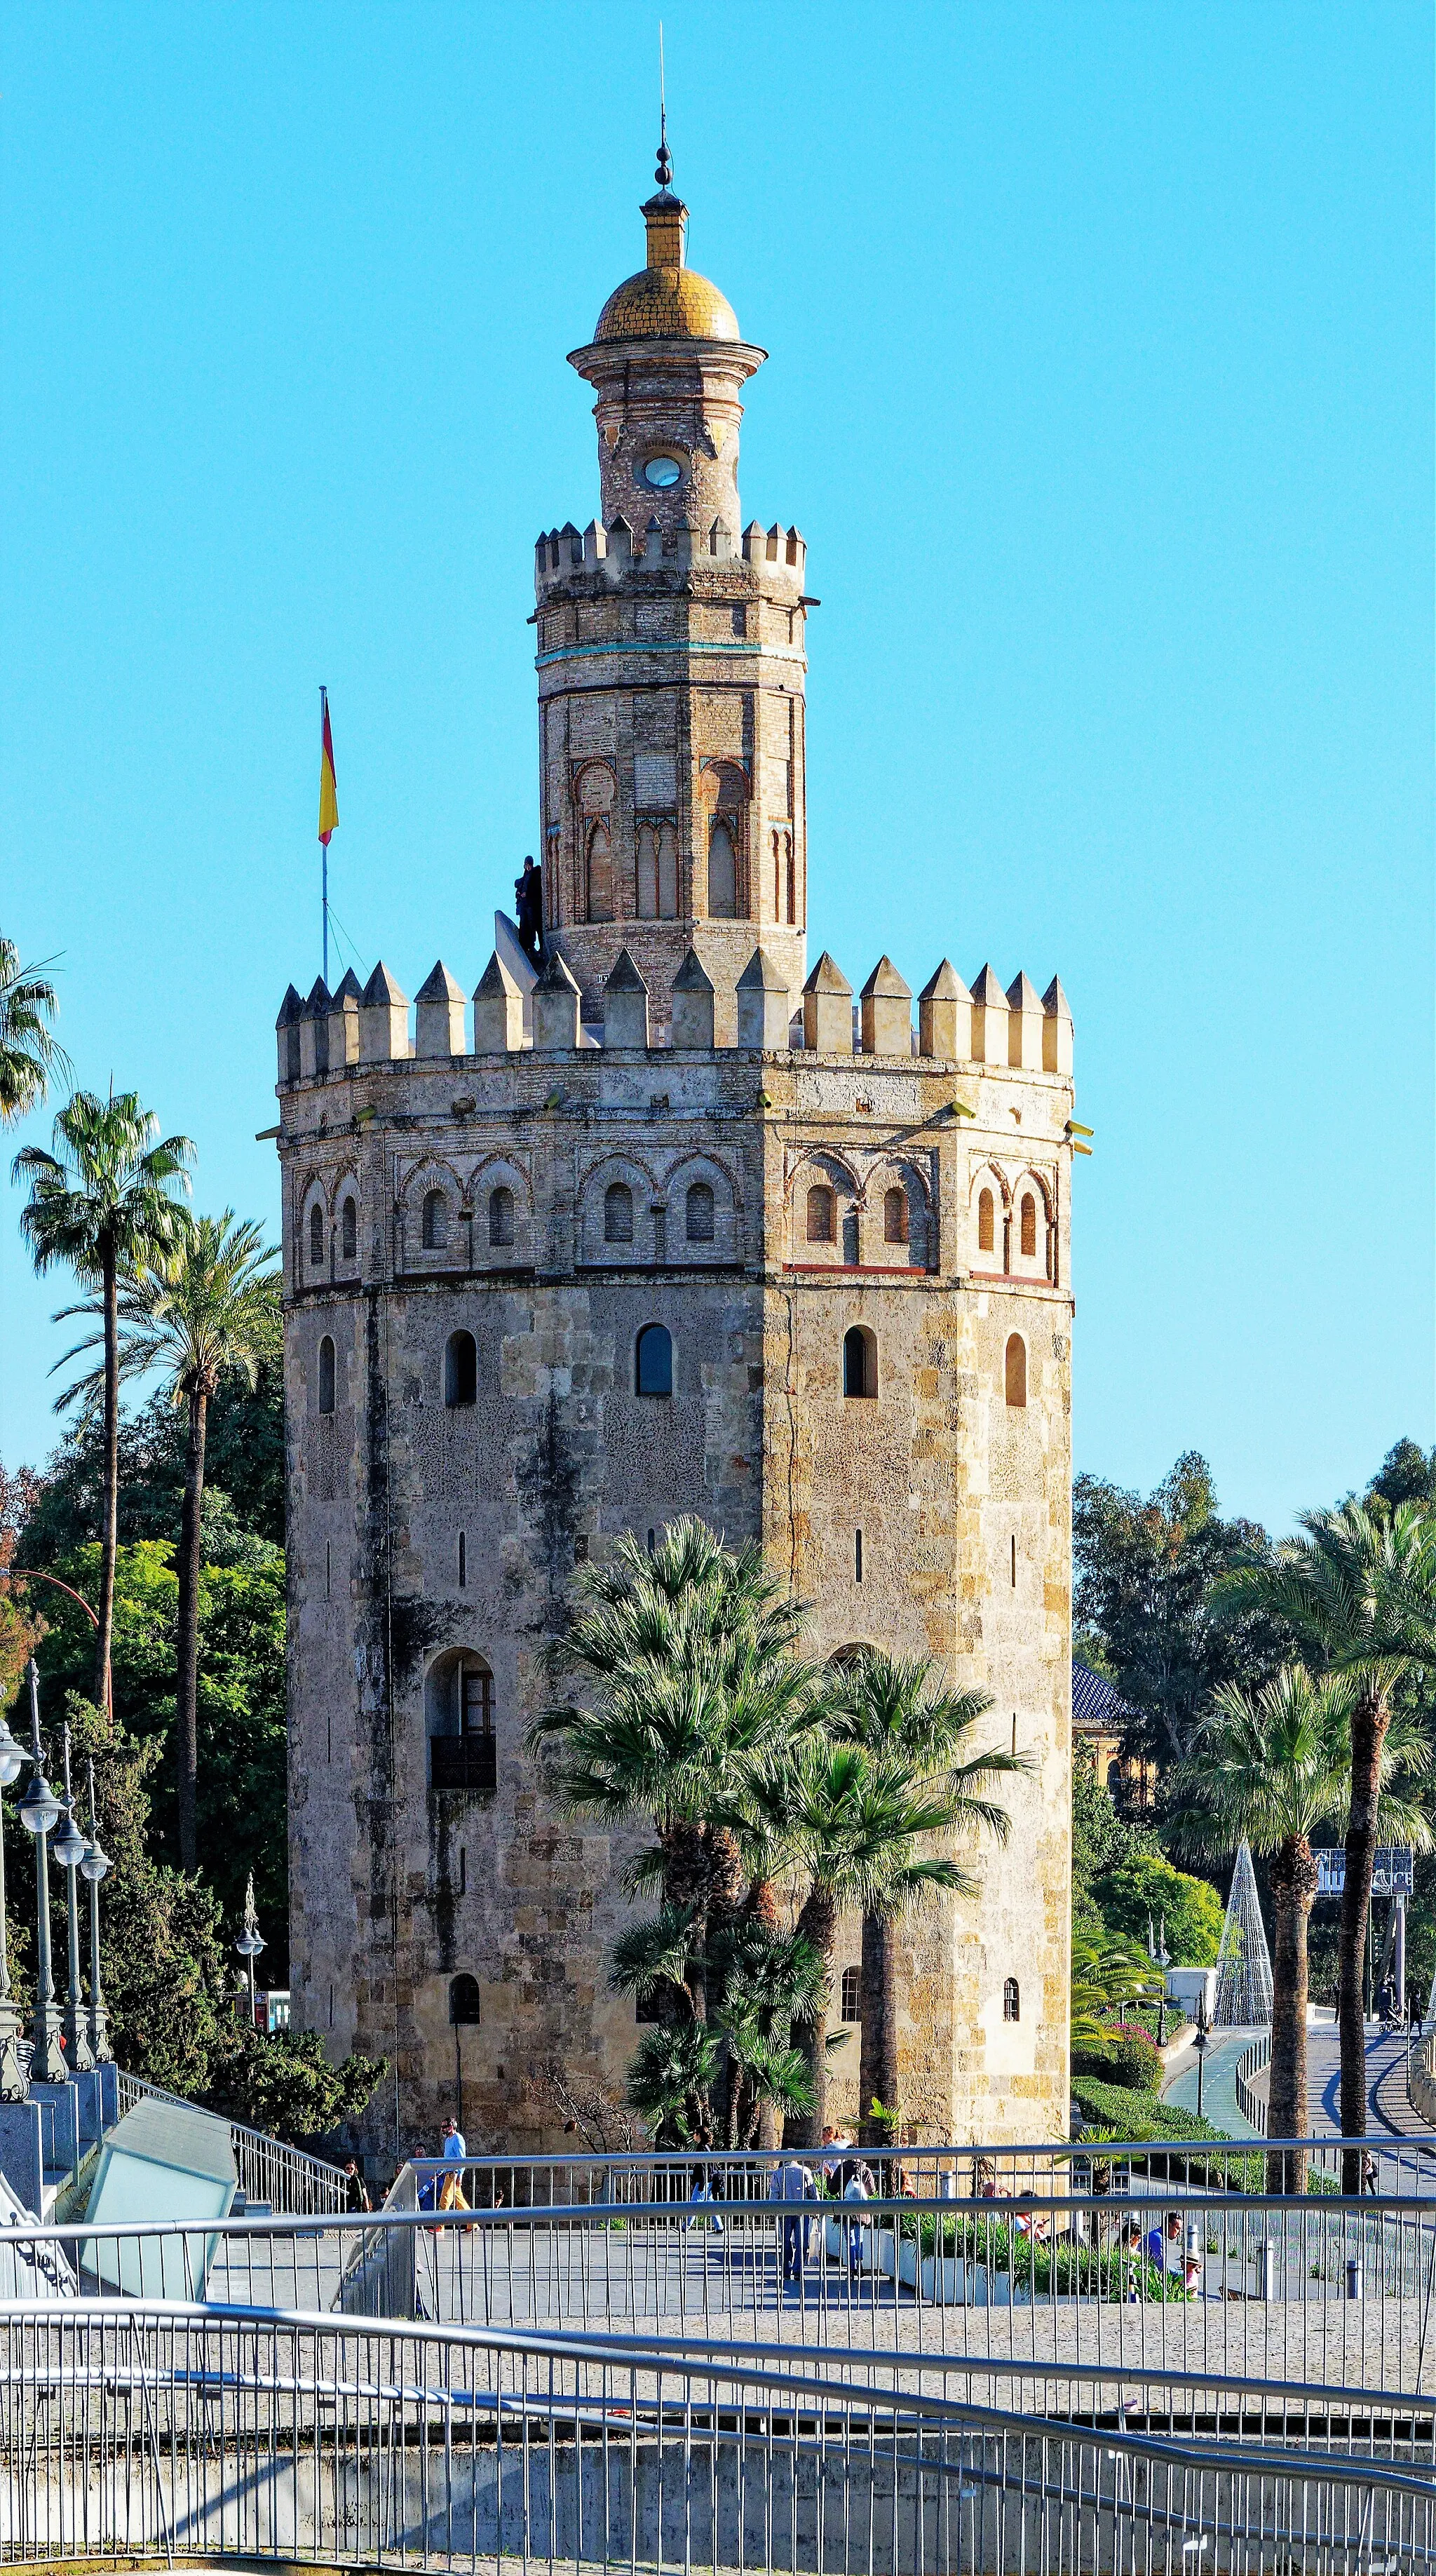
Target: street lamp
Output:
[(70, 1849), (39, 1812), (1164, 1961), (250, 1943), (93, 1868), (14, 2083), (1201, 2042)]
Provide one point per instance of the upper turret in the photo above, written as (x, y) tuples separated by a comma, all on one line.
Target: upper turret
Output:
[(667, 362)]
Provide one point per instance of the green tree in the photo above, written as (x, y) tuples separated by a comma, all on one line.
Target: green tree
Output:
[(103, 1202), (1142, 1888), (688, 1658), (1270, 1770), (859, 1823), (900, 1710), (31, 1056), (203, 1308), (242, 1739), (758, 1982), (1359, 1591), (1144, 1575)]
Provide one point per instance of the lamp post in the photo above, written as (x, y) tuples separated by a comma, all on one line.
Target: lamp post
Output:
[(93, 1868), (250, 1943), (39, 1811), (14, 2084), (1164, 1960), (70, 1850)]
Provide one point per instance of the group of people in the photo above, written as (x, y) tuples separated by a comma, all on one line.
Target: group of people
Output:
[(840, 2174)]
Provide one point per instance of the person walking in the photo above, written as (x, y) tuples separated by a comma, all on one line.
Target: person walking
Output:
[(792, 2181), (454, 2151)]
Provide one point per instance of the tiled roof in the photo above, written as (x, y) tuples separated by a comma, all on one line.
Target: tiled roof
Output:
[(1098, 1704)]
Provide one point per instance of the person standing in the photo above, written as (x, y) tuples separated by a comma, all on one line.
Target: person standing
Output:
[(792, 2182)]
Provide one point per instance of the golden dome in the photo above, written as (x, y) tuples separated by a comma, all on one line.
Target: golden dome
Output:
[(667, 304), (667, 301)]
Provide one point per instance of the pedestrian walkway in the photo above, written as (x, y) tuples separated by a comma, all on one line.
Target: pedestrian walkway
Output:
[(1218, 2082)]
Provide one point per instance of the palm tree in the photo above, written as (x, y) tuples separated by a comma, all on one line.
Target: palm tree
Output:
[(204, 1307), (858, 1820), (104, 1202), (898, 1707), (1105, 1973), (688, 1658), (1359, 1592), (31, 1056), (1269, 1771)]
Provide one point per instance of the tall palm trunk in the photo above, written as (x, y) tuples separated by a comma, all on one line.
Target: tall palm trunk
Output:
[(817, 1923), (187, 1681), (111, 1500), (1369, 1721), (1293, 1889), (878, 2070)]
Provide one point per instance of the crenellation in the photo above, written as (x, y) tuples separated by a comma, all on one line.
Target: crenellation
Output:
[(383, 1019), (439, 1015)]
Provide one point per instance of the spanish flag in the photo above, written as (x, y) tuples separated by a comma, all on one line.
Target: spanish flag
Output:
[(328, 791)]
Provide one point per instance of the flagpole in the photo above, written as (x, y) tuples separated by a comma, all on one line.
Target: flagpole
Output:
[(324, 850)]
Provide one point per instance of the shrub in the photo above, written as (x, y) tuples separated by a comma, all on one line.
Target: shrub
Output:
[(1133, 2118), (1128, 2058)]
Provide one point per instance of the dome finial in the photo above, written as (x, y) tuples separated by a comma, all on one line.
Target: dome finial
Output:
[(664, 172)]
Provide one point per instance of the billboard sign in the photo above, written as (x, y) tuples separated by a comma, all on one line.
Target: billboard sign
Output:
[(1393, 1875)]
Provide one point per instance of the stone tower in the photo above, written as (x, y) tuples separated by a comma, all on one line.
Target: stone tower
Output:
[(688, 1230), (670, 662)]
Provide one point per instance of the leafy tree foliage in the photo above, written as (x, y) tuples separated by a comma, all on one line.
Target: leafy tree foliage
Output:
[(1144, 1575), (285, 2084)]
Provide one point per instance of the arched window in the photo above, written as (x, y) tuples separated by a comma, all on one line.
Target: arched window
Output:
[(1016, 1370), (459, 1712), (464, 2002), (820, 1213), (461, 1370), (326, 1375), (895, 1216), (1028, 1218), (792, 884), (646, 904), (316, 1233), (860, 1361), (435, 1221), (722, 874), (698, 1213), (1011, 2000), (618, 1213), (852, 1994), (501, 1215), (986, 1222), (349, 1229), (653, 1361)]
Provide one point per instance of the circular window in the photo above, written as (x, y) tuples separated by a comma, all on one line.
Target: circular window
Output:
[(662, 472)]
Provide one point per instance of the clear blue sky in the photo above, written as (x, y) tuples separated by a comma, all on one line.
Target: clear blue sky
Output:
[(1101, 387)]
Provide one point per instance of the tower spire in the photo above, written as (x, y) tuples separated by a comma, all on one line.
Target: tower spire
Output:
[(664, 172)]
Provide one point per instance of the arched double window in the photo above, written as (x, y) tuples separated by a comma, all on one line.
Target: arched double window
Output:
[(435, 1222), (501, 1215), (860, 1361), (464, 2002), (821, 1212), (316, 1235), (653, 1361), (1015, 1370), (698, 1213), (618, 1213), (461, 1370), (326, 1374), (349, 1229)]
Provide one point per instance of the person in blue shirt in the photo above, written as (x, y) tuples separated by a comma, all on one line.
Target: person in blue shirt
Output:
[(792, 2181)]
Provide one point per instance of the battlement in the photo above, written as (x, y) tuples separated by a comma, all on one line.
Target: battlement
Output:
[(562, 554), (1015, 1030)]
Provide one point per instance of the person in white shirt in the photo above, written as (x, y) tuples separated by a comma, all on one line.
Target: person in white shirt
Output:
[(857, 2187)]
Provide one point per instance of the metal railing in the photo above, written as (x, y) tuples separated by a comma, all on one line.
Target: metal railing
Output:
[(276, 2175), (1252, 2105), (169, 2431), (1080, 2259)]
